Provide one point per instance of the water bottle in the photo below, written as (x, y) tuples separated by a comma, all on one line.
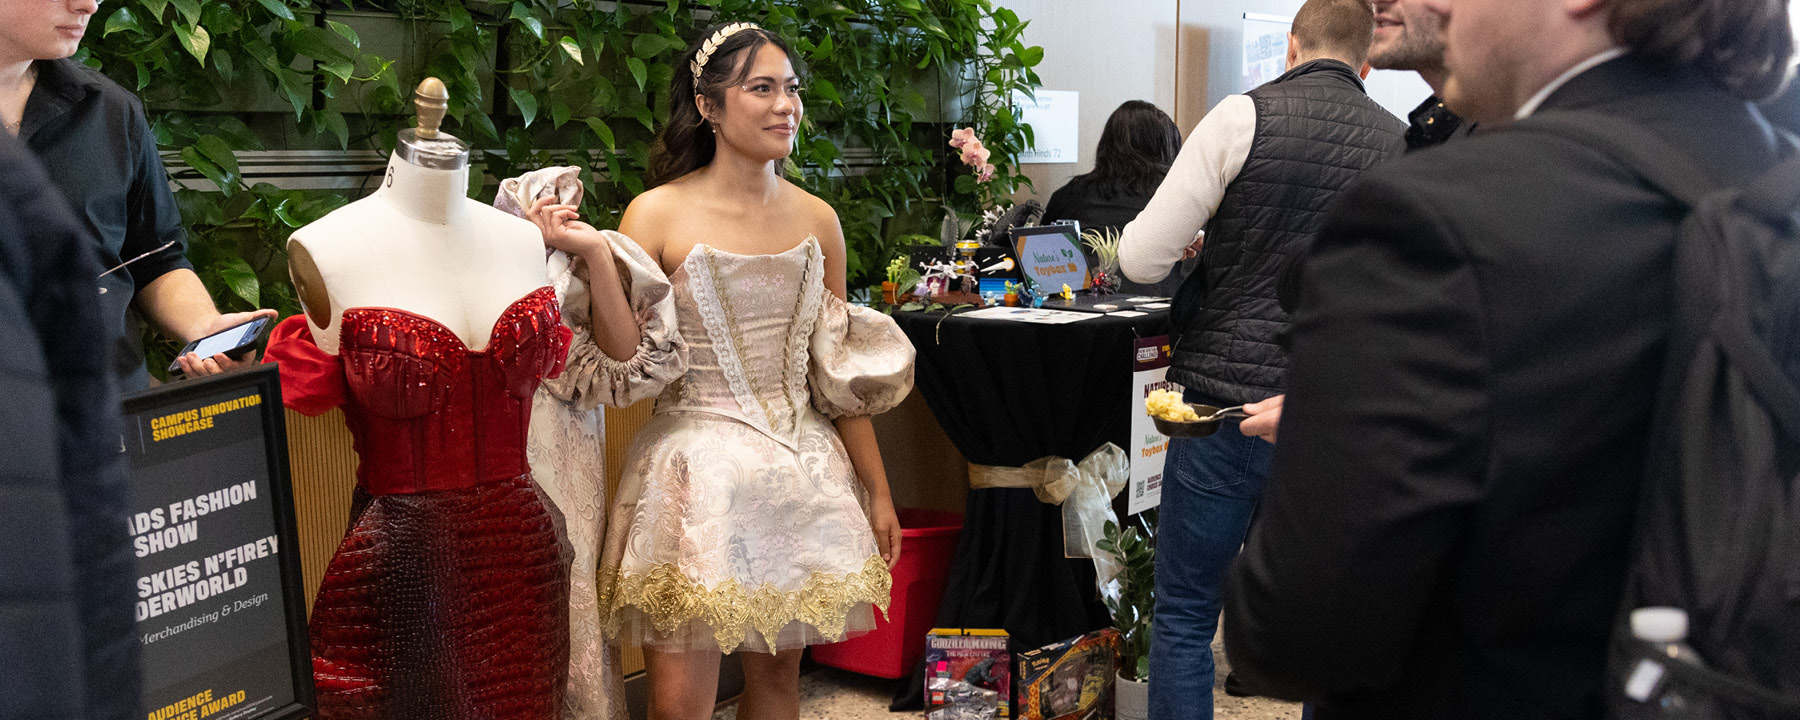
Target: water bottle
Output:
[(1661, 633)]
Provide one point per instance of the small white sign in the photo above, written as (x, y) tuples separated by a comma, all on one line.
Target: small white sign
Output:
[(1149, 449), (1055, 120)]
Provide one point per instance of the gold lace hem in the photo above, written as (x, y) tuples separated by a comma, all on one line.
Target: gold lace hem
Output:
[(670, 600)]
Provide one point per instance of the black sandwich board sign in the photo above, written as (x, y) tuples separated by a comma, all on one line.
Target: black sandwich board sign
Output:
[(221, 613)]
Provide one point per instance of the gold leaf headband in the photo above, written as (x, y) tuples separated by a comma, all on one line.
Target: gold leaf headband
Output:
[(712, 43)]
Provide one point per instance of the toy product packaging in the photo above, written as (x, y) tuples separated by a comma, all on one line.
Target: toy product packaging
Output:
[(968, 675), (1069, 680)]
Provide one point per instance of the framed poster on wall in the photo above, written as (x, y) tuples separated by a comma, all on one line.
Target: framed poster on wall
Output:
[(1265, 58), (221, 612)]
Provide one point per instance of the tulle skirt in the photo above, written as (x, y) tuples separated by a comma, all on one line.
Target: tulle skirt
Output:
[(725, 538)]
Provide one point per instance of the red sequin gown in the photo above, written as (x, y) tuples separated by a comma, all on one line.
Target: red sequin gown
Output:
[(448, 598)]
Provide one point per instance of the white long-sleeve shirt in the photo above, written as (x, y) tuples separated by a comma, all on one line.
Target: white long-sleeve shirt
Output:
[(1212, 157)]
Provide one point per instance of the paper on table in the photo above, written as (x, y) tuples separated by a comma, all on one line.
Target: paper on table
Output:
[(1154, 306), (1126, 314), (1030, 315)]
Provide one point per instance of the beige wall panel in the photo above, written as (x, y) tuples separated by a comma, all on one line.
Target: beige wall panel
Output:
[(1212, 62), (1110, 51)]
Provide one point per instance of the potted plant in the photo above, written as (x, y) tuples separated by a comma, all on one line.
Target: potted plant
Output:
[(1132, 605), (901, 277)]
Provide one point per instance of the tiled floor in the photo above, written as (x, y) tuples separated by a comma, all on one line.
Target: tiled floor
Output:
[(829, 694)]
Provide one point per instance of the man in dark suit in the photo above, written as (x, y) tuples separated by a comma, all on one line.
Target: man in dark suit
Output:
[(1472, 367)]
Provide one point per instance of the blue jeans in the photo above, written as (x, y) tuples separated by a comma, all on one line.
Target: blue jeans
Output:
[(1210, 489)]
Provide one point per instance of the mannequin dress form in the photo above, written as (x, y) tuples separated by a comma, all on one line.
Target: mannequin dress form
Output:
[(429, 323)]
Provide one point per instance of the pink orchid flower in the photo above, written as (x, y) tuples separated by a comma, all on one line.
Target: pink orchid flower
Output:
[(985, 173), (962, 136), (975, 154)]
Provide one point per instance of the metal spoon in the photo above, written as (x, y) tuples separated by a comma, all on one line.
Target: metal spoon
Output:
[(1235, 411)]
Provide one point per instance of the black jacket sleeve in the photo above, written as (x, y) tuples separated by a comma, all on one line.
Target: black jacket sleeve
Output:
[(1380, 458)]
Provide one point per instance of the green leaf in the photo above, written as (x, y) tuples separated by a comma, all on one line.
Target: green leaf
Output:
[(647, 45), (156, 8), (189, 9), (645, 116), (638, 71), (522, 13), (334, 121), (602, 131), (241, 278), (931, 24), (559, 111), (278, 9), (195, 40), (122, 20), (574, 51), (207, 168), (459, 16), (340, 69), (346, 31), (825, 91), (215, 149), (527, 103), (1031, 56)]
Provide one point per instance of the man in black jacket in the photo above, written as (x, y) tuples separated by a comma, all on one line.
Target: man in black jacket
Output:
[(1258, 174), (1473, 362), (67, 646)]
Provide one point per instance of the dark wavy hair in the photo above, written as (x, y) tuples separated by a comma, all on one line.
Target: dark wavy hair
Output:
[(1135, 151), (685, 143), (1744, 45)]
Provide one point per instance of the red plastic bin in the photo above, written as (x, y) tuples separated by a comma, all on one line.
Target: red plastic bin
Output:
[(928, 540)]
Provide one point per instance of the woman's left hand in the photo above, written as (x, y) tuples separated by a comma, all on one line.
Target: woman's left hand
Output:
[(887, 529)]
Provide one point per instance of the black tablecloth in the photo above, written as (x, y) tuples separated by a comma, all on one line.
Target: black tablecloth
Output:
[(1008, 393)]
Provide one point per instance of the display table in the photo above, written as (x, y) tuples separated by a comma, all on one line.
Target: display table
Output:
[(1008, 393)]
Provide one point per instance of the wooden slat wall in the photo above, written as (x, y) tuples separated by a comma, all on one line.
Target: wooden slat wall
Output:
[(622, 424), (323, 468)]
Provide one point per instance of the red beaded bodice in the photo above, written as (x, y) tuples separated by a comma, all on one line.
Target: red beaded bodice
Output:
[(427, 412)]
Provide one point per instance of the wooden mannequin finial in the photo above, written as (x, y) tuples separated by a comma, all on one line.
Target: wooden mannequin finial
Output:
[(433, 100)]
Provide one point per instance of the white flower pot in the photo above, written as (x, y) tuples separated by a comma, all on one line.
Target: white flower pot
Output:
[(1131, 699)]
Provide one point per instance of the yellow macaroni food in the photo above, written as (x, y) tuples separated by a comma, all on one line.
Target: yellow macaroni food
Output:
[(1167, 404)]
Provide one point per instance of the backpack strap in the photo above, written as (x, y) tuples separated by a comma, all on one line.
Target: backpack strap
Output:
[(1773, 196)]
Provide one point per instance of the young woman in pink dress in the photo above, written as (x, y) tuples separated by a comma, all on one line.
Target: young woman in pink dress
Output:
[(754, 515)]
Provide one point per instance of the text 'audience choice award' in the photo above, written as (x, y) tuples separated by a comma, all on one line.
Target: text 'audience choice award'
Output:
[(221, 619)]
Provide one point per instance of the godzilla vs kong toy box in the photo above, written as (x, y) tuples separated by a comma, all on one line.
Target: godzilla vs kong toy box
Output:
[(968, 675)]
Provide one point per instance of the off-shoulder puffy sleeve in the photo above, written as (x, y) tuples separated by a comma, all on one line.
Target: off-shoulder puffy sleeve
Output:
[(861, 363), (312, 380), (591, 377)]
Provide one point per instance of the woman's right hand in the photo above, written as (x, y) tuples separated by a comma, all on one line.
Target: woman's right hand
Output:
[(563, 229)]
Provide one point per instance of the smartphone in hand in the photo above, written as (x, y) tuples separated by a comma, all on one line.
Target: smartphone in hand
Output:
[(232, 342)]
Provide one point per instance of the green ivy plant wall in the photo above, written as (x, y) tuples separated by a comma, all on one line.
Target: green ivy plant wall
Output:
[(541, 82)]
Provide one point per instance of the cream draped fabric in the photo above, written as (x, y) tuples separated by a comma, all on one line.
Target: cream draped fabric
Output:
[(566, 445)]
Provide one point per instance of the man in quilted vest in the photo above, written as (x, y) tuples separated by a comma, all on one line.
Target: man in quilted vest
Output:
[(1257, 175)]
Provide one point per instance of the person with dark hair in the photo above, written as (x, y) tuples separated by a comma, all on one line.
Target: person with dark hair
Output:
[(1135, 151), (753, 515), (1474, 362), (97, 149), (1257, 174)]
